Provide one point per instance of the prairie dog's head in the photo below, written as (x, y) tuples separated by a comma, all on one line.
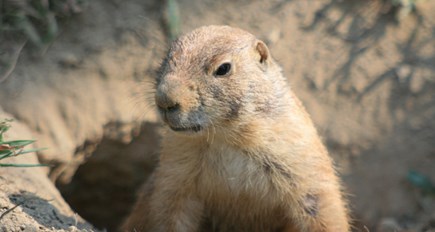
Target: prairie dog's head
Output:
[(212, 76)]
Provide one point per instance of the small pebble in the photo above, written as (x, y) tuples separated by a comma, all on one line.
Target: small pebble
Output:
[(403, 72), (388, 224), (274, 36), (69, 60)]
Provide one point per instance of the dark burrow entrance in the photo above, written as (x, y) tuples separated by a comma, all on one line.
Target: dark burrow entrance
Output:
[(104, 187)]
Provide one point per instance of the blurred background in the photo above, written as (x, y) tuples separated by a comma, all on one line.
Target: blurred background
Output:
[(75, 73)]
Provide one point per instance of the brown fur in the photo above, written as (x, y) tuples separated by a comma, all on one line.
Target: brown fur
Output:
[(257, 164)]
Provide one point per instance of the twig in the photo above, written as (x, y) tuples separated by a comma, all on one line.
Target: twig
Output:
[(10, 210), (13, 63), (366, 229)]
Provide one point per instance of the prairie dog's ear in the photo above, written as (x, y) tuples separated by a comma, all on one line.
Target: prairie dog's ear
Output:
[(262, 50)]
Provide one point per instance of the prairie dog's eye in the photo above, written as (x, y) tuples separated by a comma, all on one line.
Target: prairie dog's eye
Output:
[(223, 69)]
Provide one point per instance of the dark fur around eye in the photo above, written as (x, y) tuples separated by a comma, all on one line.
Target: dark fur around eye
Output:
[(223, 69)]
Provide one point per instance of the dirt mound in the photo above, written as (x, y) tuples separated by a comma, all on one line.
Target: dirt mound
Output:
[(28, 200), (367, 80)]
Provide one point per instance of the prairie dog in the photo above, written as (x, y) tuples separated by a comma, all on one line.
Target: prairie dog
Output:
[(240, 153)]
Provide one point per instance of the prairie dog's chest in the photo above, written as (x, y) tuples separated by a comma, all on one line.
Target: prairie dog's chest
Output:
[(231, 172)]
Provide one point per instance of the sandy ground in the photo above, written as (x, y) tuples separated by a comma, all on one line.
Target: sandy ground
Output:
[(367, 80)]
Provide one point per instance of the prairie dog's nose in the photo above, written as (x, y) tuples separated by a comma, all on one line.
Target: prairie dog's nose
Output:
[(166, 103)]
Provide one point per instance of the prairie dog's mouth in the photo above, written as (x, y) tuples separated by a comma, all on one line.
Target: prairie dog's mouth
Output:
[(194, 128)]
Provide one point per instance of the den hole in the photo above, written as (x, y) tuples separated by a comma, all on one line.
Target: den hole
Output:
[(103, 188)]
